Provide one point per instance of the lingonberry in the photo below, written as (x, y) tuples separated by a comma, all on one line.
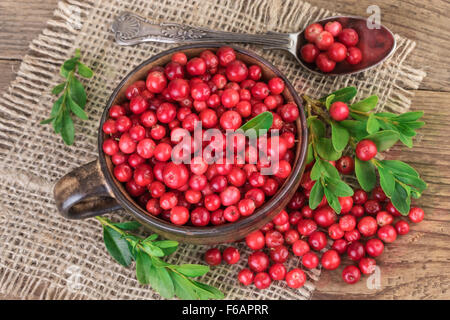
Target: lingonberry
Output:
[(128, 145), (307, 212), (331, 260), (416, 214), (262, 280), (317, 240), (297, 201), (255, 240), (274, 239), (392, 210), (295, 278), (367, 226), (153, 207), (347, 223), (143, 175), (270, 187), (354, 55), (355, 251), (111, 147), (200, 217), (324, 63), (231, 255), (123, 172), (179, 57), (246, 277), (277, 271), (310, 260), (374, 247), (166, 112), (367, 265), (175, 175), (402, 227), (335, 232), (309, 52), (257, 195), (306, 227), (345, 165), (340, 245), (325, 217), (156, 82), (231, 213), (109, 127), (384, 218), (281, 218), (387, 234), (346, 204), (333, 27), (349, 37), (212, 203), (279, 254), (300, 247), (351, 274), (192, 196), (116, 111), (312, 32), (378, 194), (148, 119), (135, 89), (290, 236), (337, 52), (179, 215), (119, 158), (196, 66), (236, 71), (213, 257), (359, 197), (366, 150), (258, 261), (217, 217), (211, 60), (162, 152), (260, 91), (352, 235), (324, 40), (276, 85), (225, 55), (372, 207)]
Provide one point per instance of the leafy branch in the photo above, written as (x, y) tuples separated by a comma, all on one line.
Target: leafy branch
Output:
[(72, 98), (167, 279), (398, 180)]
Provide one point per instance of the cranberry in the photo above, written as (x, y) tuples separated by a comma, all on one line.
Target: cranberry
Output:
[(213, 257), (351, 274), (387, 234), (300, 247), (123, 172), (331, 260), (277, 271), (374, 247), (175, 175), (357, 211), (372, 207), (352, 235), (359, 197), (335, 232), (231, 214), (258, 261), (156, 82), (246, 277), (260, 90), (349, 37), (295, 278), (416, 214), (126, 144), (306, 227), (200, 217), (179, 57), (325, 217), (274, 239), (309, 52), (366, 150), (255, 240), (289, 112), (257, 195), (276, 85), (339, 111), (290, 236), (225, 55), (317, 240), (367, 226), (355, 251), (236, 71), (310, 260), (367, 265), (354, 55), (345, 165), (346, 204), (384, 218), (254, 72), (324, 63), (402, 227), (196, 66), (312, 32), (347, 223), (246, 207), (262, 280), (231, 255), (333, 27), (281, 218), (179, 215), (337, 52), (111, 147), (279, 254), (340, 245)]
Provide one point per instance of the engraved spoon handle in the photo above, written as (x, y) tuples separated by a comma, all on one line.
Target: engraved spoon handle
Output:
[(132, 29)]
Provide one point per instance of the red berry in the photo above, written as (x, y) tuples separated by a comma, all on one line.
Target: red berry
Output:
[(352, 235), (291, 236), (387, 234), (246, 277), (354, 55), (367, 265), (351, 274), (324, 63), (325, 217), (366, 150), (262, 280), (175, 175), (347, 223), (335, 232), (416, 214), (345, 165), (231, 255), (339, 111), (123, 172), (367, 226), (374, 247), (258, 261), (279, 254), (276, 85), (196, 66), (337, 52), (200, 217), (312, 32), (254, 72), (384, 218), (378, 194), (179, 215), (331, 260), (277, 271), (274, 239), (111, 147), (402, 227), (236, 71), (310, 260), (295, 278), (324, 40), (359, 197), (260, 90), (156, 82), (306, 227), (349, 37), (213, 257), (317, 240), (333, 27), (340, 245), (355, 251), (179, 57), (225, 55), (309, 52), (300, 247), (255, 240), (346, 204)]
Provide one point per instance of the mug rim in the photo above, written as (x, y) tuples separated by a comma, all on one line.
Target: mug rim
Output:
[(207, 231)]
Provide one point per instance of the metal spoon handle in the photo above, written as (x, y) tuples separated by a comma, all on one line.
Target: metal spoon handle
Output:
[(132, 29)]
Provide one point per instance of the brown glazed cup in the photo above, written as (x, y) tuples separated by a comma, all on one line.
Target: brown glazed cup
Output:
[(92, 189)]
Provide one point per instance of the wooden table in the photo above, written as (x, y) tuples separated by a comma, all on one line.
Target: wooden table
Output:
[(417, 266)]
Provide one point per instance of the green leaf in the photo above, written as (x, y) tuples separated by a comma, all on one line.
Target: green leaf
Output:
[(70, 64), (63, 72), (365, 173), (365, 105), (75, 108), (67, 130), (58, 122), (317, 127), (414, 124), (152, 250), (399, 167), (192, 270), (325, 150), (356, 128), (316, 171), (387, 115), (151, 237), (213, 292), (401, 199), (409, 116), (128, 225), (339, 136), (166, 244), (329, 170), (310, 154), (58, 88), (117, 246), (329, 101), (47, 121), (338, 187), (372, 124), (316, 195), (357, 116), (413, 181), (407, 141), (143, 267), (332, 200), (344, 95), (184, 289), (383, 139), (84, 70), (161, 281), (76, 92), (261, 123), (57, 106), (387, 181)]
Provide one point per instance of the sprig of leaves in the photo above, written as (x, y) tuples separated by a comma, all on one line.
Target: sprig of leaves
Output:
[(398, 180), (260, 124), (72, 98), (167, 279)]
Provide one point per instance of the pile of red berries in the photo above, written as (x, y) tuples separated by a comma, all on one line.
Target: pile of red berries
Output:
[(360, 231), (151, 131), (329, 45)]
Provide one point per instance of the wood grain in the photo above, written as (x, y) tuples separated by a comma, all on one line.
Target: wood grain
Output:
[(417, 266)]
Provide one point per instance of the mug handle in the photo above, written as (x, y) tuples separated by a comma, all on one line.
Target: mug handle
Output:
[(83, 193)]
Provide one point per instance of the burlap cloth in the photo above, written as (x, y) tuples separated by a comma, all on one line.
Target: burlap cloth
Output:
[(45, 256)]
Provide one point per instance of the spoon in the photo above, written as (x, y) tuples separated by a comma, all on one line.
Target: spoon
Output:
[(376, 45)]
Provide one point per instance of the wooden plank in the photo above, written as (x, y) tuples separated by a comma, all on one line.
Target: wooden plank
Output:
[(417, 265)]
